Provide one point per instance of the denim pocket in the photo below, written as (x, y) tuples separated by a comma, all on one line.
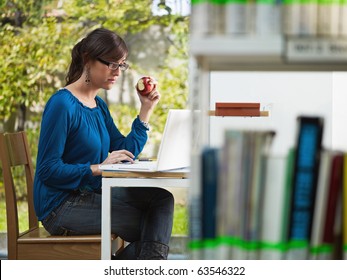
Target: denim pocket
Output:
[(52, 222), (78, 214), (49, 221)]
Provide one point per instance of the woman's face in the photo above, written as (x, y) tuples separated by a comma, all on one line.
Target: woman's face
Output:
[(101, 76)]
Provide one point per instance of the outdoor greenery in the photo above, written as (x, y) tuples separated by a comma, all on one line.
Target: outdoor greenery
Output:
[(36, 38)]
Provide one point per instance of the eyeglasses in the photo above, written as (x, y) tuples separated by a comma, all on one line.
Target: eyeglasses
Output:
[(114, 65)]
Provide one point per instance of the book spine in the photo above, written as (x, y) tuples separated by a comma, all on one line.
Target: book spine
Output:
[(237, 109), (289, 177), (334, 193), (218, 13), (195, 224), (202, 19), (260, 145), (343, 18), (237, 112), (210, 174), (307, 156), (207, 17), (273, 207), (268, 17), (236, 17), (308, 17), (291, 10), (235, 145), (317, 247), (227, 200), (233, 105), (328, 17), (243, 194)]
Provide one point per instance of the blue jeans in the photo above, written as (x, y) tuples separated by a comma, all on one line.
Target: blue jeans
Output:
[(138, 214)]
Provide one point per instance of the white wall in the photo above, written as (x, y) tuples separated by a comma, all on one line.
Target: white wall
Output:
[(286, 95)]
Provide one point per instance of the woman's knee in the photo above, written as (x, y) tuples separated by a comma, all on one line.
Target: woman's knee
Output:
[(166, 195), (165, 199)]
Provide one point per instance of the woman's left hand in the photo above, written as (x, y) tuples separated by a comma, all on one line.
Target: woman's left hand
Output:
[(149, 101)]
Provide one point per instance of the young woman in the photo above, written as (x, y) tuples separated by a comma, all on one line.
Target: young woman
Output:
[(77, 135)]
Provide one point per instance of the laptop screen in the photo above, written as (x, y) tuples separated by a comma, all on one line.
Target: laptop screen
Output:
[(175, 146)]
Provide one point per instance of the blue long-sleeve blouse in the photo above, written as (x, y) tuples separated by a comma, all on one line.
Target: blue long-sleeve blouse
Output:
[(73, 137)]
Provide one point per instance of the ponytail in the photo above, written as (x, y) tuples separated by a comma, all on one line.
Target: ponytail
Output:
[(77, 64)]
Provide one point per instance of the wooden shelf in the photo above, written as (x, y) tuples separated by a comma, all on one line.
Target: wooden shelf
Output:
[(212, 113)]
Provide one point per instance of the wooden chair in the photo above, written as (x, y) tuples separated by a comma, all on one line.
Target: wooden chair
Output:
[(35, 242)]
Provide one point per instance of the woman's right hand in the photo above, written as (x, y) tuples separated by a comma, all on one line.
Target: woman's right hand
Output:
[(114, 157), (118, 157)]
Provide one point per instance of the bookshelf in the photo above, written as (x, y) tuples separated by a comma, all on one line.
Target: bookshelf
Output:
[(249, 52), (269, 53)]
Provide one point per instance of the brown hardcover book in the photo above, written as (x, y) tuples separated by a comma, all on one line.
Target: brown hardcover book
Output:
[(237, 109), (233, 105)]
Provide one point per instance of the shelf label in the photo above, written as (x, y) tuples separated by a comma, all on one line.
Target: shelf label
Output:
[(319, 50)]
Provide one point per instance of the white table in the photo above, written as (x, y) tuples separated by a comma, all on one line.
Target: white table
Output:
[(112, 179)]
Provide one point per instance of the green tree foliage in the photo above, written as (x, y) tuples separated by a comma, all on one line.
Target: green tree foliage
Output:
[(32, 64), (35, 43)]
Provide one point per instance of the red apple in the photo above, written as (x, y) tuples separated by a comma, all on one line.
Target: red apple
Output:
[(146, 85)]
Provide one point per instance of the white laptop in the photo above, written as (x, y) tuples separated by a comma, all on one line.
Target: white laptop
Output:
[(174, 150)]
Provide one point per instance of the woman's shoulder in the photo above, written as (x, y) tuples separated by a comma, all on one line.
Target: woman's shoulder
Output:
[(62, 97), (61, 102)]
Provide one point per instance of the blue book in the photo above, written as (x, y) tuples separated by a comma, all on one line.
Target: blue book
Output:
[(306, 168), (210, 173)]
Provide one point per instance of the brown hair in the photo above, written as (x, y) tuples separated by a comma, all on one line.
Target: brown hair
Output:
[(98, 43)]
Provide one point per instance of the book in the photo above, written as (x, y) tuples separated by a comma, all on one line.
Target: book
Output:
[(306, 168), (210, 171), (328, 17), (228, 194), (334, 193), (195, 245), (308, 17), (236, 17), (207, 17), (274, 206), (338, 252), (240, 194), (343, 18), (259, 145), (289, 177), (318, 250), (268, 17), (209, 185), (237, 109), (291, 10), (202, 19), (218, 13)]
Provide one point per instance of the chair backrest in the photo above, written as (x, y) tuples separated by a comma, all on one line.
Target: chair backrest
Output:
[(15, 151)]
